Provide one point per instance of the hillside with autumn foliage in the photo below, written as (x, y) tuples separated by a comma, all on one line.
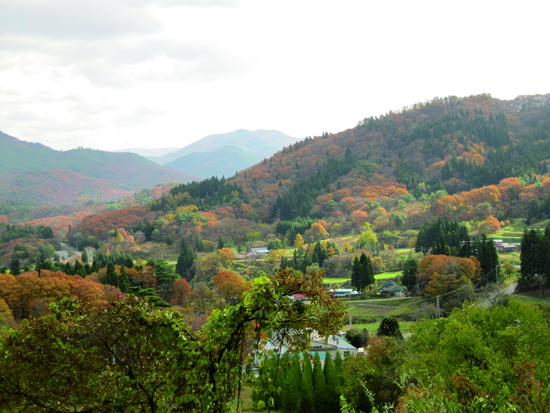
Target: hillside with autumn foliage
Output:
[(477, 159)]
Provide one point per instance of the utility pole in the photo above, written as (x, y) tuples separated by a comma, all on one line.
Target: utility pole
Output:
[(350, 326), (437, 312)]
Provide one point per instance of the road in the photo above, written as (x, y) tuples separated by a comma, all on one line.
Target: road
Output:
[(508, 290)]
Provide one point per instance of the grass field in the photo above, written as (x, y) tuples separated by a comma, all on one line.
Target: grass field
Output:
[(391, 274), (404, 326)]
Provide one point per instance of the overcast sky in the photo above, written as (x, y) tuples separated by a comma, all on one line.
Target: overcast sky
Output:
[(113, 74)]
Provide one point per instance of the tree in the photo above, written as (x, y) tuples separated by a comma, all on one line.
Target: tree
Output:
[(111, 275), (389, 327), (333, 382), (15, 268), (307, 402), (299, 243), (319, 385), (292, 387), (357, 338), (93, 360), (221, 243), (123, 281), (182, 291), (409, 275), (84, 257), (230, 285), (367, 237), (185, 261)]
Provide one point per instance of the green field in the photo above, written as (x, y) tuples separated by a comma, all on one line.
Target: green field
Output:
[(390, 274), (404, 327), (335, 280)]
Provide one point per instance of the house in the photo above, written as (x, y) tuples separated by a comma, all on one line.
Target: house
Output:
[(258, 251), (505, 247), (318, 345), (63, 255), (90, 251), (342, 292), (390, 289)]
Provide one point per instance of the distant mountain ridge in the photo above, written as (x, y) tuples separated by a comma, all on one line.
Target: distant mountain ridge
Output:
[(224, 161), (148, 153), (32, 172), (263, 143), (224, 154)]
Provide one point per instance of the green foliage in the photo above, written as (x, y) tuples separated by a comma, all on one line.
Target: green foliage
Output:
[(11, 232), (452, 232), (389, 327), (185, 261), (307, 400), (357, 338), (125, 357), (409, 275)]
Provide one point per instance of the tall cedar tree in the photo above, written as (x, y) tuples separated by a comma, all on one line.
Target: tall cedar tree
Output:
[(487, 255), (221, 243), (123, 281), (319, 385), (185, 261), (111, 275), (332, 382), (292, 389), (15, 268), (409, 275), (307, 402)]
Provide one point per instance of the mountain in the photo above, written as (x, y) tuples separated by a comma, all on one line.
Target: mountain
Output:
[(149, 153), (262, 143), (32, 172), (224, 161)]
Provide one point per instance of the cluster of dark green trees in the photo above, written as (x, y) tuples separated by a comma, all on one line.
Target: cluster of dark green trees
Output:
[(525, 158), (301, 196), (362, 273), (535, 257), (204, 195), (300, 260), (304, 386), (452, 232), (101, 259), (11, 232), (186, 258)]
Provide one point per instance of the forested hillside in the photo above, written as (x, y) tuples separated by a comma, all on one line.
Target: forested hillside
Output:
[(39, 175), (478, 159)]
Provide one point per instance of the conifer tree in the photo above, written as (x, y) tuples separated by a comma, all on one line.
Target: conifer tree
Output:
[(338, 366), (186, 259), (280, 382), (111, 275), (15, 268), (332, 382), (123, 281), (291, 393), (356, 273), (199, 245), (319, 385), (68, 269), (84, 257), (307, 403), (221, 243)]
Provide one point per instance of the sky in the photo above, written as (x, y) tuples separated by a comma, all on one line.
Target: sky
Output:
[(114, 74)]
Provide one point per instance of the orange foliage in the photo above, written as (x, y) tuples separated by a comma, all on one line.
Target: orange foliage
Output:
[(230, 285), (182, 291), (445, 265)]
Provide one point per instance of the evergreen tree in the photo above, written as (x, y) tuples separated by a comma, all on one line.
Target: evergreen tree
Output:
[(319, 385), (77, 267), (332, 382), (93, 267), (356, 274), (280, 382), (338, 367), (488, 259), (186, 259), (199, 245), (84, 257), (409, 275), (111, 275), (221, 243), (68, 269), (15, 267), (440, 247), (292, 389), (366, 278), (129, 261), (466, 248), (534, 214), (307, 402), (123, 281)]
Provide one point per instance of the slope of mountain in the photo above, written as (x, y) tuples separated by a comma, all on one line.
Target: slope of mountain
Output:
[(33, 172), (262, 143), (224, 161), (149, 153)]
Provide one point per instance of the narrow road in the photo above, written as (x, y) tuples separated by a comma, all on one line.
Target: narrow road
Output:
[(508, 290)]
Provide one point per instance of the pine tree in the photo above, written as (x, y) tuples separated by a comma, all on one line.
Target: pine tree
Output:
[(307, 403), (356, 273), (123, 281), (338, 367), (68, 269), (111, 275), (332, 382), (221, 243), (15, 267), (292, 389), (409, 274), (84, 257), (186, 259), (199, 245), (319, 385)]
